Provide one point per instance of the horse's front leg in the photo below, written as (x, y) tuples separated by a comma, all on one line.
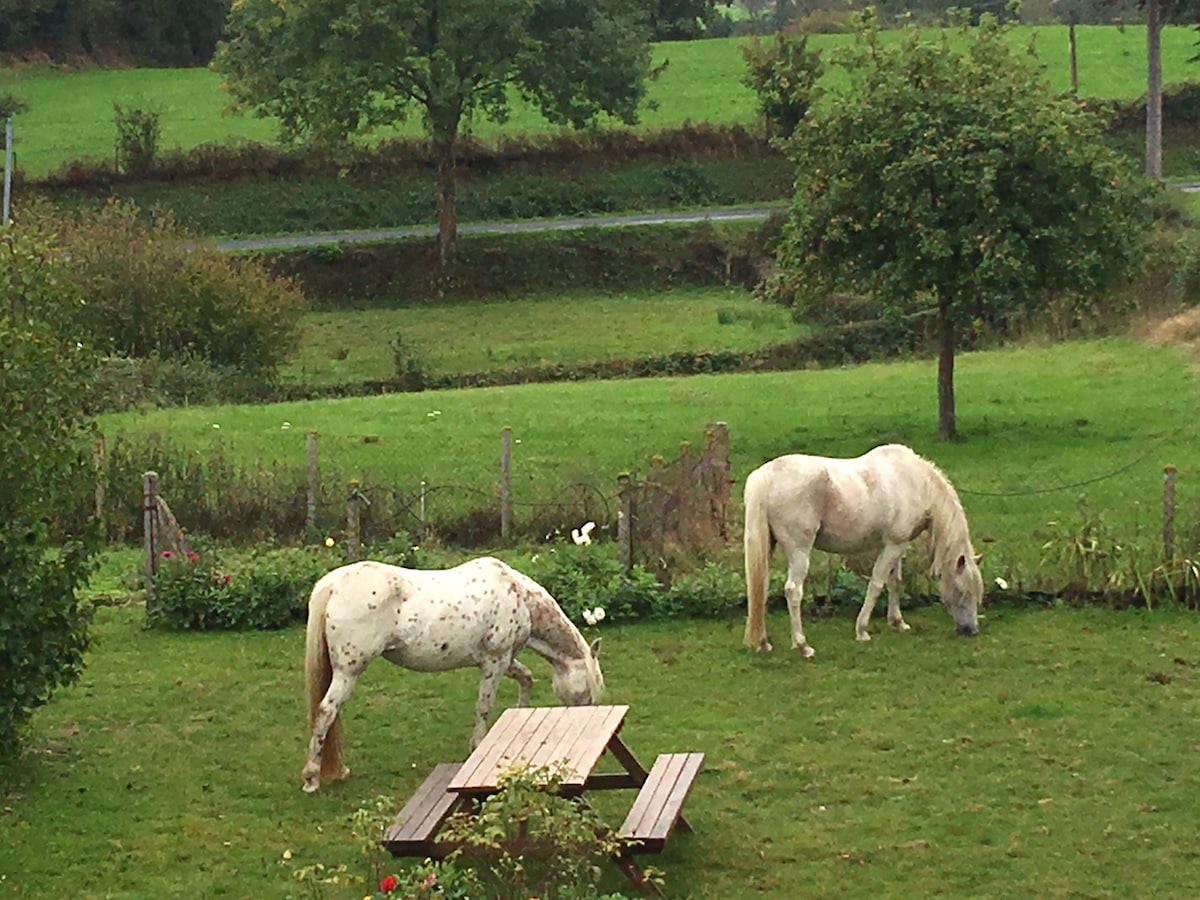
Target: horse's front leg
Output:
[(793, 590), (491, 670), (881, 574), (519, 672)]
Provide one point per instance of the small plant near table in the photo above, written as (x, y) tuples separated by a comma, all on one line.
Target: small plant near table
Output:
[(523, 841)]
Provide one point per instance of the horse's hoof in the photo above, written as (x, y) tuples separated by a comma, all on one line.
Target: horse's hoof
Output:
[(862, 637), (806, 651), (902, 626), (310, 787), (344, 774), (764, 646)]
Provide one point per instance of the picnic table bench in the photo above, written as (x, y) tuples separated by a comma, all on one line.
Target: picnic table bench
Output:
[(574, 738)]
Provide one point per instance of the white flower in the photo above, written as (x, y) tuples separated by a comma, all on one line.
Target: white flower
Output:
[(588, 617), (215, 425), (1002, 584), (535, 557), (286, 425), (598, 613), (434, 414), (582, 536), (328, 542)]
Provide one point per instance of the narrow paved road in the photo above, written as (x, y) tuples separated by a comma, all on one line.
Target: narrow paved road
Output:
[(730, 214), (725, 214)]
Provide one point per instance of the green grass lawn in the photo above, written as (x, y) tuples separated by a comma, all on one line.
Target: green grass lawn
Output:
[(70, 114), (350, 346), (1044, 427), (1053, 756)]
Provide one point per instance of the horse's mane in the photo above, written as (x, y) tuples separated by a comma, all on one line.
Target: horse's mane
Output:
[(949, 533)]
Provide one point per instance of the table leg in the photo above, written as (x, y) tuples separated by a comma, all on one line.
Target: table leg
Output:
[(625, 757)]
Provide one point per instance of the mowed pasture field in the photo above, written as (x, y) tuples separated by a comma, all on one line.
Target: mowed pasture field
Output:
[(1044, 426), (70, 114), (1053, 756), (345, 346)]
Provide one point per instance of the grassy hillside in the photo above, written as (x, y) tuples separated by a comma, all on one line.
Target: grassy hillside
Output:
[(348, 346), (70, 113), (1044, 427)]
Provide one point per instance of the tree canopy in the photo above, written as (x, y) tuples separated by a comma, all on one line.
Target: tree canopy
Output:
[(329, 69), (953, 180)]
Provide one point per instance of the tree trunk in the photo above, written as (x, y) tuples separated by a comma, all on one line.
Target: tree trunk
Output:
[(1074, 60), (1154, 24), (447, 210), (947, 428)]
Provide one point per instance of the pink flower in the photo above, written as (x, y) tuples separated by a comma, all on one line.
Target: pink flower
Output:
[(192, 556), (166, 554), (429, 882)]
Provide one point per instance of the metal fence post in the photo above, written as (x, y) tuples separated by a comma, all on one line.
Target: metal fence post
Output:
[(505, 482)]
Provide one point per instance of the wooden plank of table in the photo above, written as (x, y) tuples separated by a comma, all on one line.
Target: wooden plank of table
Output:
[(505, 733), (541, 736), (590, 743)]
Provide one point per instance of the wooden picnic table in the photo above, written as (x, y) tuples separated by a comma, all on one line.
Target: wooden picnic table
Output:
[(574, 738)]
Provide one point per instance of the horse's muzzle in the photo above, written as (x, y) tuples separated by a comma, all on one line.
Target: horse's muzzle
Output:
[(967, 630)]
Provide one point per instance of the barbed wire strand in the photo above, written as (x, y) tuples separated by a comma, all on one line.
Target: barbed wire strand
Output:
[(1067, 487)]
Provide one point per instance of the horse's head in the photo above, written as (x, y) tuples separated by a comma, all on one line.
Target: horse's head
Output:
[(962, 592), (579, 682)]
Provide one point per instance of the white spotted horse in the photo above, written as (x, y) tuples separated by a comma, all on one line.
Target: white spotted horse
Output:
[(480, 613)]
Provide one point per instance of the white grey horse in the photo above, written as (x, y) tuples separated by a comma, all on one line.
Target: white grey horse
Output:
[(877, 502)]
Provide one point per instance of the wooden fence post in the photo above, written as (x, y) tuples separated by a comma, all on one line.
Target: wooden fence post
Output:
[(625, 520), (505, 482), (718, 482), (150, 530), (356, 500), (314, 487), (1169, 513), (99, 456)]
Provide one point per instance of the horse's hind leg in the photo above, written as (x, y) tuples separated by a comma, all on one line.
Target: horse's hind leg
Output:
[(339, 691), (881, 574), (793, 590), (895, 618), (519, 672)]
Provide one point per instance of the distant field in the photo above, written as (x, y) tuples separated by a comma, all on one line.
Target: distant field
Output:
[(70, 113), (349, 346)]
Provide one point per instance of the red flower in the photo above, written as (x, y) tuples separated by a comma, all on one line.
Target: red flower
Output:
[(388, 884), (192, 556)]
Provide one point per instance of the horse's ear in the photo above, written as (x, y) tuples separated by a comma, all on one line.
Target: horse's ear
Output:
[(978, 558), (595, 648)]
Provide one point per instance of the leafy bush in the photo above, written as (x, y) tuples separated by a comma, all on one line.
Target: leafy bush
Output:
[(138, 131), (45, 445), (267, 590), (150, 290)]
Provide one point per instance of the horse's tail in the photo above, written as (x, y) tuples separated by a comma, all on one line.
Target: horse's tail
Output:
[(757, 545), (318, 675)]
